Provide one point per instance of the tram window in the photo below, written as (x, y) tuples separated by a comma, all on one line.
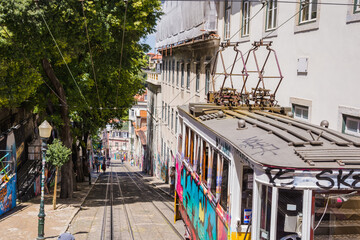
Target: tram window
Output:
[(224, 185), (192, 148), (213, 174), (186, 142), (247, 186), (265, 211), (336, 215), (198, 156), (289, 216), (205, 162)]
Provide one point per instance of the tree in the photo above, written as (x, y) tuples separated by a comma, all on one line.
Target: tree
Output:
[(70, 51), (57, 154)]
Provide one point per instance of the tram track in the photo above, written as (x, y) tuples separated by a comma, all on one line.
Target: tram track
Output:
[(156, 207)]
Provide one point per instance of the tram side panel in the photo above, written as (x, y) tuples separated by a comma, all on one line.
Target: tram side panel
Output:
[(204, 217)]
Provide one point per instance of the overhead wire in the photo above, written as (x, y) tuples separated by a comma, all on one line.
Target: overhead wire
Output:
[(91, 57), (121, 52), (67, 66)]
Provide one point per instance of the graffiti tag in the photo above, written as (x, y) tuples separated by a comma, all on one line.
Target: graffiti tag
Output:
[(260, 145)]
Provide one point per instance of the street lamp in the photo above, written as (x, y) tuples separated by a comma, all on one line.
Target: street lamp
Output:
[(44, 132)]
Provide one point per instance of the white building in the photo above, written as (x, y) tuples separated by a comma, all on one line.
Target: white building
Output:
[(317, 48), (137, 130), (186, 49)]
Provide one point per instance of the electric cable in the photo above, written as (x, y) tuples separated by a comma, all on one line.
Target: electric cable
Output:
[(91, 57), (121, 51), (57, 46)]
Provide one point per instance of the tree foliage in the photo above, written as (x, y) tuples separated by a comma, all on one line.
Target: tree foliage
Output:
[(46, 62), (57, 154)]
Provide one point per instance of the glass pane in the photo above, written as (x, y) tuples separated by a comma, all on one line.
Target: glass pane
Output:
[(352, 125), (297, 112), (213, 174), (270, 19), (265, 209), (313, 9), (305, 113), (337, 215), (188, 77), (224, 185), (289, 214), (246, 201)]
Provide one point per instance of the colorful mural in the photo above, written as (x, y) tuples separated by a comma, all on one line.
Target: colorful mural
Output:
[(8, 195), (199, 210)]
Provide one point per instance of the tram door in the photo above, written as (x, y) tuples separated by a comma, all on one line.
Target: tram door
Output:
[(280, 213)]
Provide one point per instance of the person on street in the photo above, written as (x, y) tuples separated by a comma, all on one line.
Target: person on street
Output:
[(103, 166), (97, 165), (172, 180)]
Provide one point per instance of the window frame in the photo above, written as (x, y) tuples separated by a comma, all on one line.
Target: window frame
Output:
[(207, 79), (302, 108), (273, 12), (197, 76), (177, 72), (346, 118), (173, 72), (182, 74), (188, 71), (356, 6), (310, 11), (227, 18), (245, 31)]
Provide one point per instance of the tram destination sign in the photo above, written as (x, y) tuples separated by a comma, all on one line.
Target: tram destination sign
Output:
[(327, 179)]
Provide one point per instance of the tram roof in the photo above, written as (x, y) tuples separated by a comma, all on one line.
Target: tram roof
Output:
[(272, 139)]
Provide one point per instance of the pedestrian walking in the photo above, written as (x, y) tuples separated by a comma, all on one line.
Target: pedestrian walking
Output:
[(66, 236), (103, 166), (172, 180), (97, 165)]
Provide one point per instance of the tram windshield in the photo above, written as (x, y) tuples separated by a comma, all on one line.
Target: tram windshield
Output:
[(337, 215)]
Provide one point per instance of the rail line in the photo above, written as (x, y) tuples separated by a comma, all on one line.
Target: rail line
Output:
[(161, 213), (106, 200), (125, 208)]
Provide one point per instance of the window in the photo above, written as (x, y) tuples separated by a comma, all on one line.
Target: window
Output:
[(309, 11), (172, 119), (224, 185), (357, 6), (271, 12), (176, 122), (169, 71), (173, 72), (165, 70), (227, 19), (351, 125), (197, 76), (204, 172), (336, 214), (301, 112), (165, 111), (265, 212), (182, 75), (213, 173), (169, 115), (177, 73), (207, 79), (188, 76), (245, 18)]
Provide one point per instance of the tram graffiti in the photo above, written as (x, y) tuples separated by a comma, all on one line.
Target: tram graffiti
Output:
[(200, 210)]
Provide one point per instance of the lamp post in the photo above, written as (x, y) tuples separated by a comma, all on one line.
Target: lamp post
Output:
[(45, 132)]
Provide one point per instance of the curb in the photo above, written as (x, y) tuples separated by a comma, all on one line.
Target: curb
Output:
[(78, 209)]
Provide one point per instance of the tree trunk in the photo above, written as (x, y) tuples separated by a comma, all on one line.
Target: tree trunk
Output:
[(86, 161), (65, 134)]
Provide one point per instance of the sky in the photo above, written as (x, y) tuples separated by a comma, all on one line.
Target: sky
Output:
[(150, 40)]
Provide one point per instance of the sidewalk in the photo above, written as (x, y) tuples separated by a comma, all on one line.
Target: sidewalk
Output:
[(22, 221)]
